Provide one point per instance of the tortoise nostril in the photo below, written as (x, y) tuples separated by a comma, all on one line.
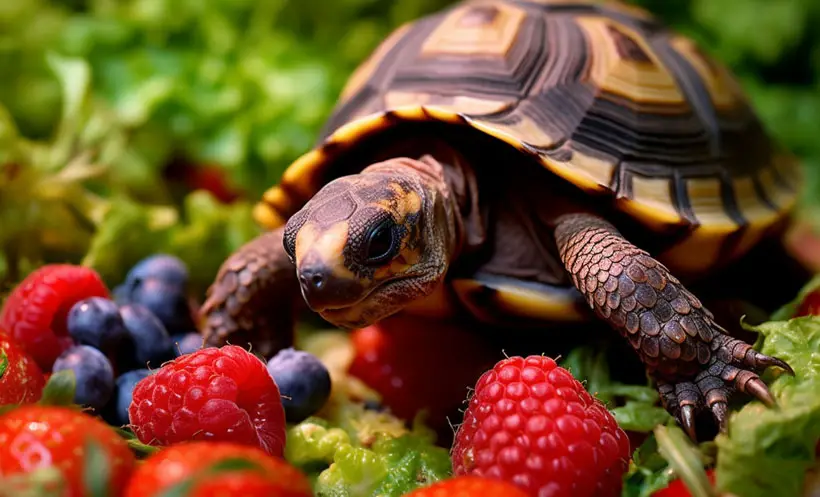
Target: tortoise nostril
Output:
[(317, 280)]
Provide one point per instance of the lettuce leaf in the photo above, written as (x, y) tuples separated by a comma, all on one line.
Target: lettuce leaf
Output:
[(768, 451)]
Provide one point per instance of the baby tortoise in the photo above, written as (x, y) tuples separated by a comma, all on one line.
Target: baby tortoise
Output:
[(525, 158)]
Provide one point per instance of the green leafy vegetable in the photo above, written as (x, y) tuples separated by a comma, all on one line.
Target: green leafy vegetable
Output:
[(768, 451), (635, 407), (365, 453)]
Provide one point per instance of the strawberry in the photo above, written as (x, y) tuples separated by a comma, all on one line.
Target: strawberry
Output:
[(810, 305), (532, 423), (208, 177), (677, 488), (388, 358), (35, 313), (38, 437), (21, 380), (217, 394), (211, 469), (468, 486)]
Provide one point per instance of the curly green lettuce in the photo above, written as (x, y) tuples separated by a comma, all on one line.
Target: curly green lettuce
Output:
[(366, 453), (769, 451)]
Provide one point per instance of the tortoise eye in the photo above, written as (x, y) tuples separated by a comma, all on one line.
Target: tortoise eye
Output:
[(290, 247), (381, 243)]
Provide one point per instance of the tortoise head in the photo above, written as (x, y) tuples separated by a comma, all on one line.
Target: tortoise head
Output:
[(367, 245)]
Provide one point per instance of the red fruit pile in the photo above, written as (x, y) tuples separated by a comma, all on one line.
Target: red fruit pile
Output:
[(219, 394), (531, 423)]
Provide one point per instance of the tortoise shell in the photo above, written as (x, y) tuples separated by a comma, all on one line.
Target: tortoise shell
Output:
[(602, 95)]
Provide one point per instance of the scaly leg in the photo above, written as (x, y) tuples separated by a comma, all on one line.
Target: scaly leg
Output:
[(694, 362), (253, 299)]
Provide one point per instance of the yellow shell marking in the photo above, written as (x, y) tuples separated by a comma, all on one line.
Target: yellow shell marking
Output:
[(519, 301), (652, 201), (640, 81), (458, 35), (723, 89)]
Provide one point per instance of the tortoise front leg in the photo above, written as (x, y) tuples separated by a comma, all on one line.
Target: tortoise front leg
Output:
[(253, 299), (694, 362)]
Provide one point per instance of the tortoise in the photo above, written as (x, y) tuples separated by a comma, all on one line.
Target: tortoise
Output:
[(554, 161)]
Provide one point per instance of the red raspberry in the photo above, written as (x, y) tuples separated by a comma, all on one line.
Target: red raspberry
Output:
[(531, 423), (36, 311), (21, 380), (218, 394)]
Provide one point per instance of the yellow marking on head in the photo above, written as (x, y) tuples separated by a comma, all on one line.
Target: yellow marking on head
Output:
[(325, 245)]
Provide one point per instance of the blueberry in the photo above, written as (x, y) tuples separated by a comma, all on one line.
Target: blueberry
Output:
[(303, 382), (166, 268), (167, 301), (96, 322), (93, 373), (186, 343), (160, 283), (118, 406), (151, 342)]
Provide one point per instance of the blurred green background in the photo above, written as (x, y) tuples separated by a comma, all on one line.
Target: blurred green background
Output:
[(97, 97)]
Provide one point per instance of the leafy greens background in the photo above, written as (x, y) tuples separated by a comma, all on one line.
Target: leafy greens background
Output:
[(245, 85)]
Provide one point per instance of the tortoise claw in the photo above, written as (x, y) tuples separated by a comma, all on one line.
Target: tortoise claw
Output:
[(760, 391), (720, 411), (766, 361), (687, 418)]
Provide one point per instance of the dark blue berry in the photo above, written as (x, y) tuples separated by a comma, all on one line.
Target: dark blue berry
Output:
[(151, 342), (187, 343), (160, 283), (96, 321), (117, 414), (93, 373), (166, 268), (303, 382), (167, 301)]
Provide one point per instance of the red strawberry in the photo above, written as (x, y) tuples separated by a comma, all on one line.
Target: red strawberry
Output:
[(810, 305), (36, 311), (531, 423), (387, 360), (21, 380), (210, 178), (217, 394), (677, 488), (468, 486), (34, 437), (252, 472)]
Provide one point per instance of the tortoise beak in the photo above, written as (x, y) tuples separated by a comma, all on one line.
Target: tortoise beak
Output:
[(322, 288)]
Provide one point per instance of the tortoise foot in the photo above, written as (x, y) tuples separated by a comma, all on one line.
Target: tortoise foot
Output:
[(253, 299), (734, 366)]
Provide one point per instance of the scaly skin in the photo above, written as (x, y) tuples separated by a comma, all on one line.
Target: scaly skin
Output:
[(254, 297), (695, 363)]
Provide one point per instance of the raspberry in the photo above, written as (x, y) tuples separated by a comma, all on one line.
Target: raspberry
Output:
[(36, 311), (532, 423), (217, 394)]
